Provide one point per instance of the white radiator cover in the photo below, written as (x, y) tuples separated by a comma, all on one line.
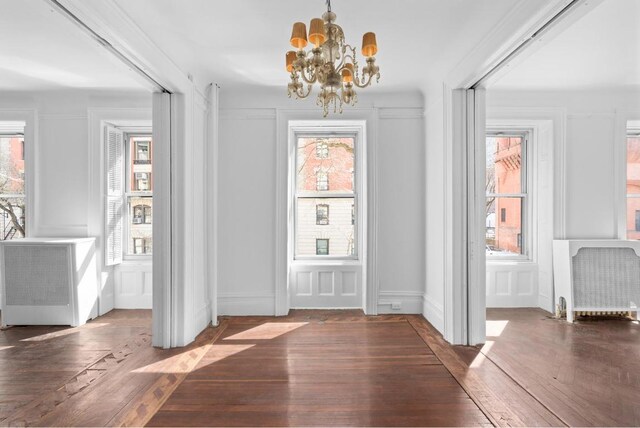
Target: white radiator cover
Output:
[(597, 275), (48, 281)]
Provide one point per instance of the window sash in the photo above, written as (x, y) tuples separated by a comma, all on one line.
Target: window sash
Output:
[(522, 238), (523, 195), (132, 141), (325, 194)]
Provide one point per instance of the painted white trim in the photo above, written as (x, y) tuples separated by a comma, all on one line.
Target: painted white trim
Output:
[(162, 316), (400, 113), (97, 117), (521, 23), (411, 302), (357, 128), (476, 167), (240, 304), (621, 124), (456, 213), (211, 217), (370, 277), (112, 23), (282, 302), (31, 148), (248, 113), (433, 312), (542, 151)]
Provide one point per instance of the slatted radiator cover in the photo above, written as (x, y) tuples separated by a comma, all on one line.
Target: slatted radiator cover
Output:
[(37, 276), (596, 275), (607, 278), (48, 281)]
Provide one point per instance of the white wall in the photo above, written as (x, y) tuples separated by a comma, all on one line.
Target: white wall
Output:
[(588, 173), (66, 181), (247, 196), (435, 162), (594, 136)]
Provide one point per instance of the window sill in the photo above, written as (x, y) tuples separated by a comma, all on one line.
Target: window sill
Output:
[(137, 261), (507, 261), (326, 262)]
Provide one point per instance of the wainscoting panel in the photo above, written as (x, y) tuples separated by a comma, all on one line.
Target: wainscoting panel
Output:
[(326, 286), (133, 285), (512, 284)]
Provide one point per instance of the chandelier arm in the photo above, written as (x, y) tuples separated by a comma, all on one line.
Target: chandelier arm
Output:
[(301, 93), (313, 76), (356, 81)]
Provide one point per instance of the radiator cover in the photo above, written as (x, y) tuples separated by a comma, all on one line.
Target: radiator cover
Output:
[(597, 275), (50, 281)]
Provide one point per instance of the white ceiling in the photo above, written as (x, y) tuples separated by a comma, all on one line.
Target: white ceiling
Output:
[(243, 42), (42, 50), (601, 50)]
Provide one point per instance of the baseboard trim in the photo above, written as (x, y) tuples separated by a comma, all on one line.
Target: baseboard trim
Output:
[(245, 305), (410, 302), (433, 312)]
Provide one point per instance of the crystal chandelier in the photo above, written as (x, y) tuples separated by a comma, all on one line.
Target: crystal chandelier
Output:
[(331, 63)]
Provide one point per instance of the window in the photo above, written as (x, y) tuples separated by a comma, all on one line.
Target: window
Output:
[(141, 246), (506, 194), (322, 149), (322, 214), (633, 184), (141, 214), (322, 247), (12, 190), (314, 199), (139, 196), (322, 181)]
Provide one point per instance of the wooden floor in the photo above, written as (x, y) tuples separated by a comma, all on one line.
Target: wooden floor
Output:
[(586, 373), (323, 368)]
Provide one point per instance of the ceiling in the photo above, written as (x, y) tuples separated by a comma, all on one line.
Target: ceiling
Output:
[(243, 42), (42, 50), (600, 50)]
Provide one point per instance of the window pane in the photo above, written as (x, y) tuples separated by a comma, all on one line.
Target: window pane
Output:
[(12, 215), (339, 229), (12, 165), (504, 160), (633, 165), (140, 167), (633, 187), (325, 165), (140, 224), (504, 226)]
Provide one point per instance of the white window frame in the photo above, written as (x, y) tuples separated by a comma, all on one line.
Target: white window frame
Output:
[(632, 130), (527, 179), (324, 129), (126, 216), (17, 130)]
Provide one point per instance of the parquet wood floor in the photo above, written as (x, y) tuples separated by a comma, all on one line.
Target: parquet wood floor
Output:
[(323, 368)]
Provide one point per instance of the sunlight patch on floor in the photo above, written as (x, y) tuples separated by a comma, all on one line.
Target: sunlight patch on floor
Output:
[(267, 330), (479, 359), (495, 328), (186, 361), (65, 332), (2, 348)]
